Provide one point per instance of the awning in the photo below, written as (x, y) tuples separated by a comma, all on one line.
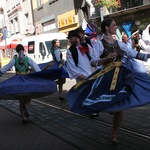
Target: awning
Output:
[(11, 42)]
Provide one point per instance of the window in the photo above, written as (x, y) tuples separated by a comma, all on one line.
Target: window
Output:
[(63, 44), (16, 24), (49, 25), (48, 45), (31, 47), (42, 50)]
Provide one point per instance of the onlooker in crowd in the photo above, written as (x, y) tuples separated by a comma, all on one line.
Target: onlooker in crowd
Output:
[(125, 39)]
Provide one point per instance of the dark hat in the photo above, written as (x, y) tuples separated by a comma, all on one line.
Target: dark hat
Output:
[(73, 33)]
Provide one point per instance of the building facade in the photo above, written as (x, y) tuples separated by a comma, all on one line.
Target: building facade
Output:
[(18, 16), (133, 13), (59, 15)]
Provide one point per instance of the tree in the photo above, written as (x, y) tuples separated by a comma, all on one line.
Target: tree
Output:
[(108, 3)]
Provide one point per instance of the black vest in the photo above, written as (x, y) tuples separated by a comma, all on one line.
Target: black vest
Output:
[(74, 53)]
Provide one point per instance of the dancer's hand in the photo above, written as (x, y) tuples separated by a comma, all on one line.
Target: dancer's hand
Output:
[(81, 77)]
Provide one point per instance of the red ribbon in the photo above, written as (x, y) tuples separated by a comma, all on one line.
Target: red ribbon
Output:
[(83, 49)]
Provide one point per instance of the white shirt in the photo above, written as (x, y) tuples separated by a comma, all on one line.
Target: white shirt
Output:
[(33, 65), (146, 35), (83, 67), (144, 46)]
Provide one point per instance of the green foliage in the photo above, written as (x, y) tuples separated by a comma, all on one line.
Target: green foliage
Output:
[(108, 3)]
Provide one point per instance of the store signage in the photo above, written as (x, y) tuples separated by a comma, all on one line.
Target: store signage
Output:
[(67, 21)]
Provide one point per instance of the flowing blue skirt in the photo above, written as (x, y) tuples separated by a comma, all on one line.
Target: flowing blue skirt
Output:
[(132, 90), (55, 66), (35, 85)]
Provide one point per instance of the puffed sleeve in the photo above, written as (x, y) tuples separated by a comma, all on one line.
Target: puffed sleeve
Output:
[(73, 71), (33, 65), (98, 49), (132, 53), (57, 55), (144, 46), (128, 52), (146, 35)]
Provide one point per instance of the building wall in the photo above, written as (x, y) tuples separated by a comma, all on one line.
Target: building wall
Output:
[(56, 15), (18, 15)]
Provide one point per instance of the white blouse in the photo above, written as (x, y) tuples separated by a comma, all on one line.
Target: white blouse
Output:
[(98, 49), (33, 65)]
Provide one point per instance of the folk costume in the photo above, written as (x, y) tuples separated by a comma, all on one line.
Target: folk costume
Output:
[(56, 64), (115, 86), (78, 60), (25, 83)]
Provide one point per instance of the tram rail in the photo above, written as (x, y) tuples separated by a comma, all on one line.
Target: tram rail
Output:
[(125, 129)]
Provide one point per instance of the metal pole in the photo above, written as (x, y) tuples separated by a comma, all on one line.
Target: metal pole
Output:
[(5, 34), (101, 13)]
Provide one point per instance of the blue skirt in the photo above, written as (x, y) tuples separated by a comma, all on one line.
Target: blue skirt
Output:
[(132, 90), (35, 85), (53, 65)]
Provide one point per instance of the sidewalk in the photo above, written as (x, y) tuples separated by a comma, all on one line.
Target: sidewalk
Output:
[(16, 136), (53, 127)]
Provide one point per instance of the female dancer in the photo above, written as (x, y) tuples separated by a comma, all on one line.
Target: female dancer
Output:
[(58, 64), (115, 86), (23, 86)]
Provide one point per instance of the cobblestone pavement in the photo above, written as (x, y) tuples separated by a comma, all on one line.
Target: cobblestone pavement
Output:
[(54, 127)]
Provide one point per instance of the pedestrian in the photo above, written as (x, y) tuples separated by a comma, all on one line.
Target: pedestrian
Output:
[(24, 87), (125, 39), (113, 87)]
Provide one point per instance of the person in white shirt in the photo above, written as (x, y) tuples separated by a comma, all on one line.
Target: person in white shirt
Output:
[(79, 67), (146, 35)]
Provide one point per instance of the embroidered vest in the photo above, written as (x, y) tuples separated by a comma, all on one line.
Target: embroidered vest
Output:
[(111, 48), (53, 53), (22, 68)]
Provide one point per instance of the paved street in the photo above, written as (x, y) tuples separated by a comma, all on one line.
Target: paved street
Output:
[(53, 127)]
